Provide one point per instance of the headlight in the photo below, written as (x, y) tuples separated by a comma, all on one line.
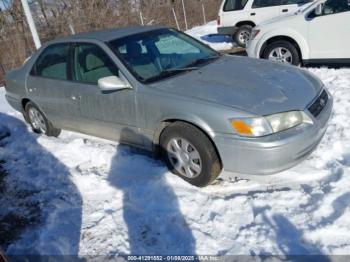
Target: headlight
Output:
[(262, 126)]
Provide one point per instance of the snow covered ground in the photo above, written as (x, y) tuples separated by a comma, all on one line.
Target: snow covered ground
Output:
[(100, 198), (208, 35)]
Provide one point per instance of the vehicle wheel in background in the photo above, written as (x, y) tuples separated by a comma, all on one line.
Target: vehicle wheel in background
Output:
[(282, 51), (189, 153), (39, 123), (242, 35)]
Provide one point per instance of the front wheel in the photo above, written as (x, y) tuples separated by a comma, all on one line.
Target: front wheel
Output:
[(39, 123), (189, 154), (282, 51)]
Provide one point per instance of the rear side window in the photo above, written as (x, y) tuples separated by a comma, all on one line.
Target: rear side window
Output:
[(91, 63), (266, 3), (235, 5), (53, 62)]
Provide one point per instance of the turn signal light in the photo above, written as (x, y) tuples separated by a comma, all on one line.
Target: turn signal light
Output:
[(242, 128)]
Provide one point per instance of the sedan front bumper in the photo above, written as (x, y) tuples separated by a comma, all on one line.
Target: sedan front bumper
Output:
[(274, 153)]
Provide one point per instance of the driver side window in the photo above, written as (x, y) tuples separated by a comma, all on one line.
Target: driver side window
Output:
[(91, 63)]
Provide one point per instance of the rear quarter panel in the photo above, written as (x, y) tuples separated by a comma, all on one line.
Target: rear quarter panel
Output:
[(15, 87), (231, 18)]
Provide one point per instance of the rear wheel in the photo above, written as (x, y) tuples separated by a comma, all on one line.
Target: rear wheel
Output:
[(242, 35), (39, 123), (189, 154), (282, 51)]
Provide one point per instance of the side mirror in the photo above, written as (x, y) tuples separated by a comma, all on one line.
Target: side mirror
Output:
[(112, 83), (319, 10)]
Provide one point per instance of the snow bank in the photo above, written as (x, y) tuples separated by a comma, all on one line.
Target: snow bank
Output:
[(208, 35)]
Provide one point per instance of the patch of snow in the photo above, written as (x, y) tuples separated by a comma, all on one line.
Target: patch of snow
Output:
[(208, 34)]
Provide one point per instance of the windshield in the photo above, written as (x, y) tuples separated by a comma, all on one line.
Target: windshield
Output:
[(161, 53)]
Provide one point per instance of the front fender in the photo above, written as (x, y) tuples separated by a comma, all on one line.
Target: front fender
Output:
[(191, 119), (289, 33)]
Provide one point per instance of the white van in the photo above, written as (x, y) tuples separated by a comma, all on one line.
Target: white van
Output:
[(238, 17), (318, 34)]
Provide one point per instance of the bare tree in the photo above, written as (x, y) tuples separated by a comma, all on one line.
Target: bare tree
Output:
[(54, 18)]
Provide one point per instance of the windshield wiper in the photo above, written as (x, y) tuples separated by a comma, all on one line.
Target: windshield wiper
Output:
[(173, 71), (170, 72), (187, 68), (202, 60)]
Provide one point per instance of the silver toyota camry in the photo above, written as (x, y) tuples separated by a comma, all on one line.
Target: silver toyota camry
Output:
[(161, 90)]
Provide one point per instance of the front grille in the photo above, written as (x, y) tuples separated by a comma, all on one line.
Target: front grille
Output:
[(316, 108)]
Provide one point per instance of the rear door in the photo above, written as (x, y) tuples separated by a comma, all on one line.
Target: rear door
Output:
[(263, 10), (49, 86), (329, 33), (111, 115)]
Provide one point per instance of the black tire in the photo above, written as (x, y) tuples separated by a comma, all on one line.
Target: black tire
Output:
[(210, 162), (50, 130), (238, 38), (295, 59)]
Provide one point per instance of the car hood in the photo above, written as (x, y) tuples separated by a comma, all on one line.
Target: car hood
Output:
[(256, 86)]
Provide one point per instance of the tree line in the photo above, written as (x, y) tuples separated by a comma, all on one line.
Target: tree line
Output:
[(56, 18)]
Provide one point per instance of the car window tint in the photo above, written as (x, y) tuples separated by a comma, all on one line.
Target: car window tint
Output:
[(53, 62), (266, 3), (91, 63), (290, 2), (234, 5), (153, 54), (336, 6), (170, 44), (294, 2), (138, 57)]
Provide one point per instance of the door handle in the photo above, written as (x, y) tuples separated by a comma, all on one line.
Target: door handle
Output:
[(252, 14), (75, 98), (285, 10)]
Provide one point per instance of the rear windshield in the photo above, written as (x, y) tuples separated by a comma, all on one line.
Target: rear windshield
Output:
[(234, 5)]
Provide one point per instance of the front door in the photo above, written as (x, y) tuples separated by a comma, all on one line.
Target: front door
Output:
[(111, 115), (329, 33)]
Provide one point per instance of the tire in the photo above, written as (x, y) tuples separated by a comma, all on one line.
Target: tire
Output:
[(45, 126), (292, 58), (199, 155), (242, 35)]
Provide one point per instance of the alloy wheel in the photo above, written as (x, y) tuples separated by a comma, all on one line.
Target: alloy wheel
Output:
[(243, 37), (281, 54), (184, 157), (37, 120)]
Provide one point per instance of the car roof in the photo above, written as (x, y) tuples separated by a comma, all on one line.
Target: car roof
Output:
[(109, 34)]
